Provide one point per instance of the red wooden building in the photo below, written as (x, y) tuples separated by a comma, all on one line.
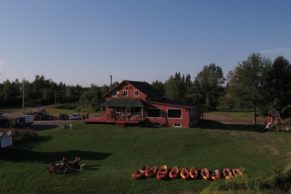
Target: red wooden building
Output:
[(134, 102)]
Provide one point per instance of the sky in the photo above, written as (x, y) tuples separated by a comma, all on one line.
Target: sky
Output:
[(84, 41)]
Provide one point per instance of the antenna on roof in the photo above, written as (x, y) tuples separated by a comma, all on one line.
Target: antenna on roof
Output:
[(110, 81)]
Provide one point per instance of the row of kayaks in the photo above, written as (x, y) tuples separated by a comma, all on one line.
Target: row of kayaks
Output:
[(185, 173)]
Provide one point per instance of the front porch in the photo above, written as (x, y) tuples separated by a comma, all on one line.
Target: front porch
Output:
[(108, 120), (120, 112)]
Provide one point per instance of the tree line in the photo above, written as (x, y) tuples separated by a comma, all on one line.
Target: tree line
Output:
[(256, 83), (42, 91)]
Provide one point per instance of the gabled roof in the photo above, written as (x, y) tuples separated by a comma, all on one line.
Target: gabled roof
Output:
[(144, 87)]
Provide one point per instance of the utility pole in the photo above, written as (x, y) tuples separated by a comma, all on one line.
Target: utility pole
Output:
[(23, 97), (55, 98)]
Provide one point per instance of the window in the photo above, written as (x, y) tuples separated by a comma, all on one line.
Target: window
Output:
[(177, 125), (114, 93), (125, 92), (174, 113), (135, 93), (154, 113)]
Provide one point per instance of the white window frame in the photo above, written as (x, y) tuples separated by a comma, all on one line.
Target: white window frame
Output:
[(181, 117), (177, 125), (135, 92), (125, 93)]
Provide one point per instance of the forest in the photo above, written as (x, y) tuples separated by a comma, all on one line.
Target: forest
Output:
[(257, 84)]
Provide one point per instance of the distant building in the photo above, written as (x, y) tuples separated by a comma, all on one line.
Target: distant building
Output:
[(134, 102)]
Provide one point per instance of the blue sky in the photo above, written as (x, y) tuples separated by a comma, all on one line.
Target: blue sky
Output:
[(83, 42)]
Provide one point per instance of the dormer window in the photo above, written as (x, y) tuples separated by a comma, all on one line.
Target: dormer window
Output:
[(114, 93), (125, 92), (135, 93)]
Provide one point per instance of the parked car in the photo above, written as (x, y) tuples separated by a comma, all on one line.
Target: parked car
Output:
[(75, 116), (24, 120), (63, 117)]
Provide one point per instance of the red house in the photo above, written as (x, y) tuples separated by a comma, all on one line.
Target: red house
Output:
[(135, 102)]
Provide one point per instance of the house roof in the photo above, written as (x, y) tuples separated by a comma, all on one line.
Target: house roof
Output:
[(144, 87), (123, 102), (166, 101)]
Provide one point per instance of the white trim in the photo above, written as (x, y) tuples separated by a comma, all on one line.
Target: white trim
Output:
[(181, 117), (125, 91), (134, 93)]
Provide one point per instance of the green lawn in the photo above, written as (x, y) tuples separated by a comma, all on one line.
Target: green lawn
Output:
[(113, 153)]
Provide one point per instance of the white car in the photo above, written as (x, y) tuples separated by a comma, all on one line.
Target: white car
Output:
[(75, 116)]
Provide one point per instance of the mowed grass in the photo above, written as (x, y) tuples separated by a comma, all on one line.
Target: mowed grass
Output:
[(112, 154)]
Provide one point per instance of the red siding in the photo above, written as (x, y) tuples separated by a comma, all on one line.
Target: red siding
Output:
[(184, 121), (130, 88), (189, 115)]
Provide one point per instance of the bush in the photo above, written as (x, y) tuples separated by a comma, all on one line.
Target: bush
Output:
[(66, 106), (279, 183)]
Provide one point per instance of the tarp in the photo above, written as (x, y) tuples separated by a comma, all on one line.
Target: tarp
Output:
[(5, 141)]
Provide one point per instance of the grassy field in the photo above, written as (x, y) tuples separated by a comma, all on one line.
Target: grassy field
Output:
[(113, 153)]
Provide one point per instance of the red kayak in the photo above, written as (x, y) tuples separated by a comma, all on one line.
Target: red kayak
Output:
[(151, 172), (193, 173), (236, 172), (174, 172), (215, 175), (162, 172), (139, 173), (205, 173), (184, 173), (227, 173)]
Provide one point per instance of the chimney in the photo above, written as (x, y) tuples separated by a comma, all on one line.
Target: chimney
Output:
[(110, 81)]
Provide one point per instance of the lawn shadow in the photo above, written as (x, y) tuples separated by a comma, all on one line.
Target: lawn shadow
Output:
[(34, 139), (26, 155), (211, 124), (41, 127), (92, 167)]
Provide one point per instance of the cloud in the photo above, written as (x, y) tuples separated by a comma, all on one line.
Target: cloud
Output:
[(275, 52), (2, 62)]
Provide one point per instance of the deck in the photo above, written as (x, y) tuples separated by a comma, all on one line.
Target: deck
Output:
[(119, 121)]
